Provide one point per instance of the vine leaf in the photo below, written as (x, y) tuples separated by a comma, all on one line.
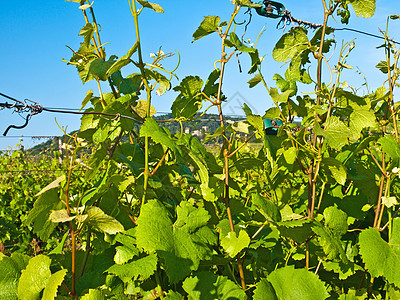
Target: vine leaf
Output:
[(189, 101), (34, 278), (123, 61), (156, 7), (391, 148), (364, 8), (254, 81), (209, 286), (94, 295), (209, 25), (291, 44), (61, 215), (264, 290), (267, 208), (53, 185), (143, 267), (291, 283), (98, 67), (39, 215), (382, 258), (334, 169), (233, 244), (335, 132), (151, 129), (11, 268), (50, 291), (183, 244), (100, 221), (247, 3)]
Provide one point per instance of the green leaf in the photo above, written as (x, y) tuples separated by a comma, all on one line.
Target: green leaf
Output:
[(335, 132), (94, 295), (209, 25), (171, 295), (34, 278), (361, 118), (234, 39), (391, 148), (382, 258), (87, 32), (11, 268), (151, 129), (189, 101), (334, 169), (142, 267), (233, 244), (247, 3), (88, 97), (364, 8), (157, 8), (53, 185), (254, 81), (98, 67), (98, 220), (278, 98), (123, 61), (291, 283), (39, 215), (264, 290), (267, 208), (330, 242), (291, 44), (336, 220), (181, 245), (383, 66), (50, 292), (389, 201), (124, 254), (297, 230), (61, 215), (206, 285)]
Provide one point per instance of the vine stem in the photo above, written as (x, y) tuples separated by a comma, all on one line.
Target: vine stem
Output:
[(312, 173), (226, 144), (146, 174)]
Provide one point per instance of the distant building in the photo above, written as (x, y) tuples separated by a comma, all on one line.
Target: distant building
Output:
[(205, 128), (187, 130), (197, 133)]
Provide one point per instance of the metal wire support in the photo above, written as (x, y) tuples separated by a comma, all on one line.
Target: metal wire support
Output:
[(287, 18)]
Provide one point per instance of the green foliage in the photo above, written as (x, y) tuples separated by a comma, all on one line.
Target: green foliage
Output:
[(139, 209)]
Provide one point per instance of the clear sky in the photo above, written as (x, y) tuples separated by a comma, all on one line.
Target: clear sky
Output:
[(34, 35)]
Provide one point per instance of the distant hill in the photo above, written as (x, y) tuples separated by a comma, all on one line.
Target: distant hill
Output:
[(202, 125)]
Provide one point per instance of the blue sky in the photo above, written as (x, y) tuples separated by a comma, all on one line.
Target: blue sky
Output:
[(34, 36)]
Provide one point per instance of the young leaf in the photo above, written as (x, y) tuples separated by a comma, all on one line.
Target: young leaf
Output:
[(209, 25), (156, 7), (98, 67), (254, 81), (94, 295), (233, 244), (123, 61), (34, 278), (291, 283), (87, 32), (267, 208), (247, 3)]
